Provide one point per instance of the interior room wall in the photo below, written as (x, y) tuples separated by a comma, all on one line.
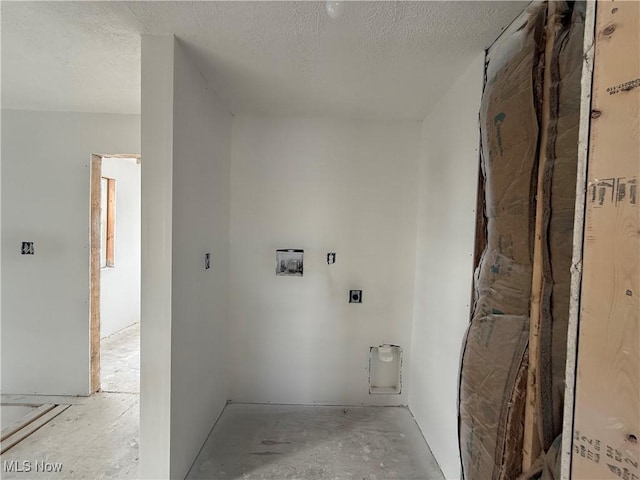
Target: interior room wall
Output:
[(120, 284), (46, 159), (322, 185), (186, 135), (156, 262), (201, 169), (444, 261)]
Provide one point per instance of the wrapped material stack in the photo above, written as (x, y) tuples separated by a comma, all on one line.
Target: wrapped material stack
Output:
[(495, 359)]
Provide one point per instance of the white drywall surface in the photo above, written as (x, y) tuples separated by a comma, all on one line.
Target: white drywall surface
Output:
[(120, 284), (46, 159), (199, 297), (157, 216), (322, 185), (444, 261), (186, 142)]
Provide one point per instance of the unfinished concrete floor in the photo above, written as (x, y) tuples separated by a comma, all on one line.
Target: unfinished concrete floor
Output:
[(97, 436), (278, 442), (12, 414), (120, 361)]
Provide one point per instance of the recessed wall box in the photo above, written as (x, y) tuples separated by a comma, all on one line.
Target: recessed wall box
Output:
[(385, 370), (289, 262)]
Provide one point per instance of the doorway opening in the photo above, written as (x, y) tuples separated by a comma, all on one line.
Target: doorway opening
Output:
[(115, 273)]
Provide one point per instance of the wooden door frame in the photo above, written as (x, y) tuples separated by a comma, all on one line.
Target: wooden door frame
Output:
[(94, 265), (586, 82), (94, 271)]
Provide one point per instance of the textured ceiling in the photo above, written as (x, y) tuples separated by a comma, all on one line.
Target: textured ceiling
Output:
[(73, 56), (378, 60)]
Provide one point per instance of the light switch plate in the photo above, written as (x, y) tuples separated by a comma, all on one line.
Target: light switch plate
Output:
[(27, 248)]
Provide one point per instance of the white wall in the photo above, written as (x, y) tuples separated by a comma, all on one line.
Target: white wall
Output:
[(186, 135), (46, 160), (155, 293), (120, 284), (322, 185), (444, 261), (201, 165)]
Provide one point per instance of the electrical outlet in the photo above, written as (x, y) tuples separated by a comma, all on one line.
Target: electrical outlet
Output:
[(27, 248), (207, 261), (355, 296)]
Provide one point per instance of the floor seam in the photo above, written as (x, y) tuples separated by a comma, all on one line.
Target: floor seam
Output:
[(115, 391)]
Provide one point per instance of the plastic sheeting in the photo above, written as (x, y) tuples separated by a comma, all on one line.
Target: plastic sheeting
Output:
[(564, 145), (495, 357), (494, 362)]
